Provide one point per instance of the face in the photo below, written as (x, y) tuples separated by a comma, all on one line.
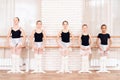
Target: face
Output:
[(65, 25), (39, 25), (84, 28), (103, 28), (16, 21)]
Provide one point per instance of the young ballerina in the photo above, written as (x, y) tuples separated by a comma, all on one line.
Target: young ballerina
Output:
[(104, 42), (38, 40), (85, 48), (64, 44), (16, 39)]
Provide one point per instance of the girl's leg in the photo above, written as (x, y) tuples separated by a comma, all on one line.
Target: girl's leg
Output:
[(40, 53), (35, 60), (85, 63), (103, 64), (62, 61), (67, 61), (90, 58), (18, 59), (12, 60), (82, 64)]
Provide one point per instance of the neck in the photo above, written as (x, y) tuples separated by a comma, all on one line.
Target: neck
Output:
[(84, 32), (38, 28), (65, 29), (16, 26), (103, 32)]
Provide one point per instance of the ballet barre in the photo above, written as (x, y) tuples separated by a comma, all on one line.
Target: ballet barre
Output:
[(55, 46)]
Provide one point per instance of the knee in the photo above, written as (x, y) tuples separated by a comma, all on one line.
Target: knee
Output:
[(35, 49)]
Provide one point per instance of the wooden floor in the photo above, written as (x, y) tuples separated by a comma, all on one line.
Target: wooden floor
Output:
[(114, 75)]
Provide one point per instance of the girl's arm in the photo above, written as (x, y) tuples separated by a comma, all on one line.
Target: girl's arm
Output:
[(109, 44), (72, 36), (32, 38), (90, 40), (8, 37), (79, 40), (98, 43), (24, 37), (57, 39), (44, 38)]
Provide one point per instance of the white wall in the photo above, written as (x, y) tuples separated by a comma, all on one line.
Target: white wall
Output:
[(29, 11), (115, 15), (54, 12), (6, 15)]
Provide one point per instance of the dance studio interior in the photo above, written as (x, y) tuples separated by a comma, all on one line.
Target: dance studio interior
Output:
[(52, 14)]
